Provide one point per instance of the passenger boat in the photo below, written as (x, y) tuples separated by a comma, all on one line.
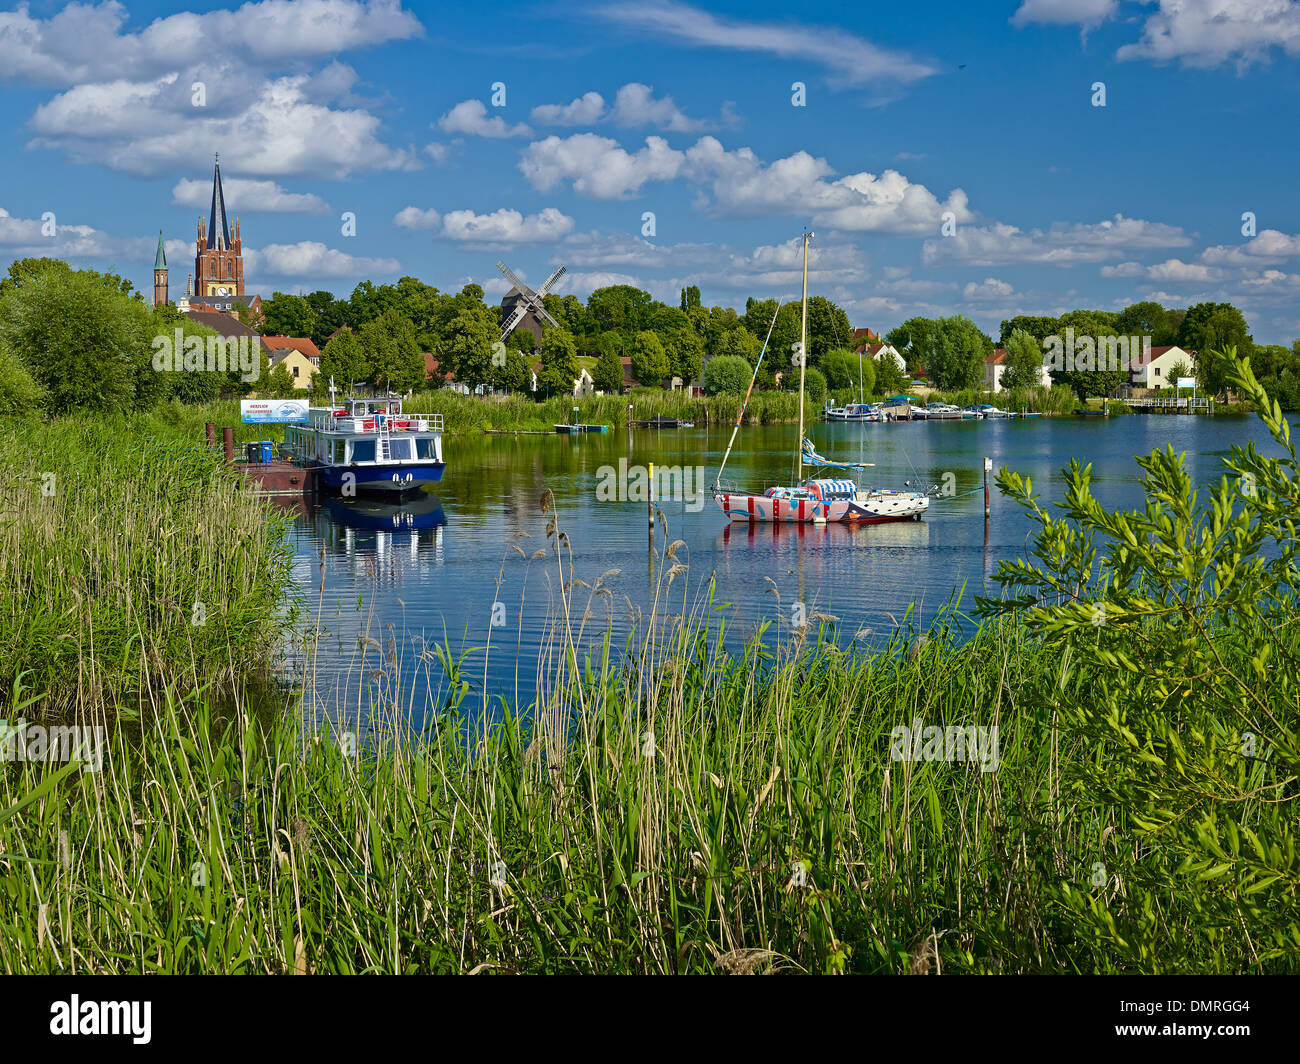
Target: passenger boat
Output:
[(367, 446), (821, 499)]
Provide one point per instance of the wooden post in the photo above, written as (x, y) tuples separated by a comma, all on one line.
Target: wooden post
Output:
[(228, 443), (650, 497), (988, 464), (210, 431)]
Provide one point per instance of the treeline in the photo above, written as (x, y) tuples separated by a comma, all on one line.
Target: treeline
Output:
[(81, 339), (952, 351), (462, 332)]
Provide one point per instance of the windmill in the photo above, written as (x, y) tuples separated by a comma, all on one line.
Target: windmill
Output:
[(515, 310)]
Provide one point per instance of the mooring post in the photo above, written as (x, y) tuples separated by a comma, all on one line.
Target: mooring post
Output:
[(650, 496), (210, 431), (988, 464), (228, 443)]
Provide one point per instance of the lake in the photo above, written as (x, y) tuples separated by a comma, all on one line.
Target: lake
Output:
[(385, 584)]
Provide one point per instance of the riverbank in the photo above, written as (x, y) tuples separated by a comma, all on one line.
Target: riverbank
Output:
[(129, 557)]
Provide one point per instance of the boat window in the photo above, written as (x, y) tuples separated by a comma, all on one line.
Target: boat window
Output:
[(338, 451), (399, 450), (363, 450), (426, 447)]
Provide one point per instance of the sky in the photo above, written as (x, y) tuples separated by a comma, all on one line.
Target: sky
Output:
[(983, 158)]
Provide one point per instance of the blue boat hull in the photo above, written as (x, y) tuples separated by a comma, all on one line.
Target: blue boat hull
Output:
[(395, 478)]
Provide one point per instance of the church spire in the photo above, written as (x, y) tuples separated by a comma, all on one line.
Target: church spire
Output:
[(218, 226), (160, 259)]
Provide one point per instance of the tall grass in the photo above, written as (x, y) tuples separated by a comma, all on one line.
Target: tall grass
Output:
[(128, 557)]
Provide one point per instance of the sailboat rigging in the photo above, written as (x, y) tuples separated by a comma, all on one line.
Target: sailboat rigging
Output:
[(818, 500)]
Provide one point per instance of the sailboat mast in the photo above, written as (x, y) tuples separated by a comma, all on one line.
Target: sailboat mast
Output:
[(803, 355)]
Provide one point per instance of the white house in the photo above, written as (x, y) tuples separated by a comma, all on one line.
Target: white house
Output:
[(995, 365), (879, 351), (584, 385), (1153, 370)]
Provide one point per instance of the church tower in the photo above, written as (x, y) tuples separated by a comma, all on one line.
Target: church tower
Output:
[(160, 274), (218, 260)]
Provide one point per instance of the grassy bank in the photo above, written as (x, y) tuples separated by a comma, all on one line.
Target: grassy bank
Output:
[(127, 554)]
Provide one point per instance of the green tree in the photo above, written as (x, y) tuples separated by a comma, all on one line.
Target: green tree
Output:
[(83, 340), (514, 373), (685, 355), (19, 392), (957, 353), (1024, 361), (739, 342), (1214, 327), (396, 364), (344, 360), (560, 367), (1147, 318), (1037, 326), (279, 385), (912, 341), (890, 378), (814, 385), (288, 315), (466, 352), (22, 270), (726, 374), (649, 360), (608, 374)]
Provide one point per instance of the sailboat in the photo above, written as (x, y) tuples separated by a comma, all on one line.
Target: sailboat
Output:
[(816, 500)]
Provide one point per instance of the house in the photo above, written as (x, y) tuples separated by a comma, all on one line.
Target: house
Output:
[(301, 368), (435, 374), (879, 351), (995, 365), (864, 336), (584, 385), (1153, 367), (301, 344)]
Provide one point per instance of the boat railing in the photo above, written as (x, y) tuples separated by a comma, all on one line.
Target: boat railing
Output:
[(382, 425)]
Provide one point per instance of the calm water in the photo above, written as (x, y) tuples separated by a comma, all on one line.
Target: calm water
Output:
[(410, 577)]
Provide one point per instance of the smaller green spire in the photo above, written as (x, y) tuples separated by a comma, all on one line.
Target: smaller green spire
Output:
[(160, 260)]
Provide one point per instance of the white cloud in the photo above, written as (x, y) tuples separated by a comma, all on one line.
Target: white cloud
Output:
[(417, 218), (586, 110), (1269, 245), (740, 184), (439, 153), (310, 258), (248, 197), (149, 128), (989, 288), (506, 226), (849, 59), (597, 166), (1065, 12), (1272, 280), (23, 237), (1062, 244), (635, 106), (1203, 33), (85, 43), (1124, 269), (1177, 270), (471, 118), (583, 284)]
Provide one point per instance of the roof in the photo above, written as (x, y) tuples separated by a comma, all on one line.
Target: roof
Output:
[(160, 259), (221, 323), (432, 369), (217, 216), (997, 358), (301, 344), (868, 334)]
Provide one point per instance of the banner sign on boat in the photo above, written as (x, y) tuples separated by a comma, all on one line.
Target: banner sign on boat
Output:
[(273, 411)]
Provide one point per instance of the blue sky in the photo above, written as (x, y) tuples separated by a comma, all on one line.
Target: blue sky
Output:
[(982, 112)]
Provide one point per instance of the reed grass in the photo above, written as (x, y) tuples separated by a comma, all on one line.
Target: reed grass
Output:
[(127, 556)]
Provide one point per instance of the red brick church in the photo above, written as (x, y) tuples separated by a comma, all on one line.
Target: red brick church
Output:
[(218, 278)]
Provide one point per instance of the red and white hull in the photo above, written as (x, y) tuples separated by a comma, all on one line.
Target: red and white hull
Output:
[(864, 508)]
